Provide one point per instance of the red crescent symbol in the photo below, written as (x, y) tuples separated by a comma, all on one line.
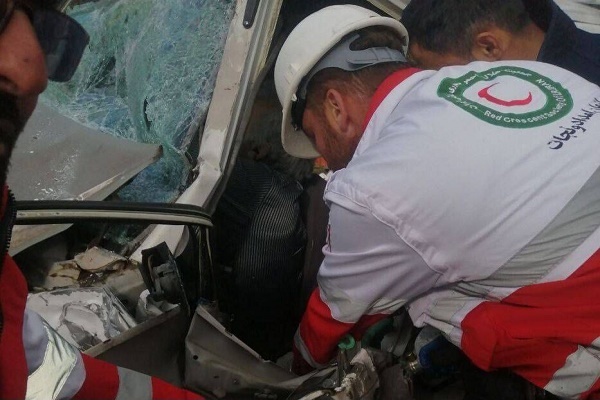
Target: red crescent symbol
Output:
[(484, 94)]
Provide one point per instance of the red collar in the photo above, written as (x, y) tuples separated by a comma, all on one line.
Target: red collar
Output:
[(385, 88)]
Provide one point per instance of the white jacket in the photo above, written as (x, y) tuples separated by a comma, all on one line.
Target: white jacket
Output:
[(468, 185)]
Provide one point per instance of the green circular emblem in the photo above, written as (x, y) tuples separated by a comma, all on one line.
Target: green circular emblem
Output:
[(507, 96)]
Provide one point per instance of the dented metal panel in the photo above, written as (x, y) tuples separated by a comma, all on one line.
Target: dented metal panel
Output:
[(85, 317), (58, 158), (219, 362)]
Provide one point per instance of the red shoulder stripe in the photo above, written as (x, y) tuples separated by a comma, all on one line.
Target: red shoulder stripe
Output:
[(385, 88)]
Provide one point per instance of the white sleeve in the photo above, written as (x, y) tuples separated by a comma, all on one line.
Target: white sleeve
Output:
[(55, 367), (368, 268)]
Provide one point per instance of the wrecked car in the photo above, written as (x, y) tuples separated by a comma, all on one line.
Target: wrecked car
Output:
[(138, 186)]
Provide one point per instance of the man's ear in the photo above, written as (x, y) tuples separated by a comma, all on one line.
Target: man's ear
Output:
[(490, 45), (336, 110)]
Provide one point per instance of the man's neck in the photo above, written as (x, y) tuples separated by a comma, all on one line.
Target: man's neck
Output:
[(527, 43)]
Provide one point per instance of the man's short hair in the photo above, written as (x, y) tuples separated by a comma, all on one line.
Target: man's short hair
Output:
[(450, 26)]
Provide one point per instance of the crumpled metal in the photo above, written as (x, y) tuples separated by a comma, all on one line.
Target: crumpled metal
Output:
[(84, 317)]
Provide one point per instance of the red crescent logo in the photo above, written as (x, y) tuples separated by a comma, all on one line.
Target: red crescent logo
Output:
[(484, 94)]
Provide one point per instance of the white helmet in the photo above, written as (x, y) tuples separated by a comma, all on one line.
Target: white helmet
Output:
[(304, 48)]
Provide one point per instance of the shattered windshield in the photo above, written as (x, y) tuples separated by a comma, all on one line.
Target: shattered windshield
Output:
[(147, 76)]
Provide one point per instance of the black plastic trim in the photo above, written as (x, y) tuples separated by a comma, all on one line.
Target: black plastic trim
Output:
[(69, 211)]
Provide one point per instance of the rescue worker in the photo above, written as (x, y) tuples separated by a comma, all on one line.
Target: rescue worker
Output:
[(454, 32), (38, 42), (470, 195)]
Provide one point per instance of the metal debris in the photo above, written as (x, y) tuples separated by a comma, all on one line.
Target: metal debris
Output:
[(84, 317), (97, 259)]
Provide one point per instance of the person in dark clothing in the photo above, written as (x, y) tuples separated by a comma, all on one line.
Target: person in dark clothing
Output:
[(259, 253), (260, 236), (454, 32)]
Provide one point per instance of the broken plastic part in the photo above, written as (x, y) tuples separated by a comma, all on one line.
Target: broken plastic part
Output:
[(97, 259), (162, 277)]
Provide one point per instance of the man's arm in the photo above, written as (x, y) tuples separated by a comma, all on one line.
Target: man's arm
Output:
[(368, 272), (58, 370), (107, 381)]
